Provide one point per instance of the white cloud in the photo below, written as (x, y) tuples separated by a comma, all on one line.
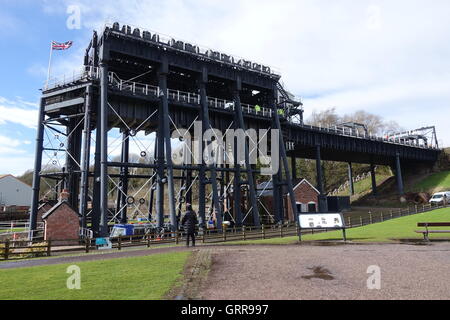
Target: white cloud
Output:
[(19, 112), (16, 165), (389, 57)]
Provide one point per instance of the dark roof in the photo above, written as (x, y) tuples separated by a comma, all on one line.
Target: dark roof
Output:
[(265, 189), (52, 210)]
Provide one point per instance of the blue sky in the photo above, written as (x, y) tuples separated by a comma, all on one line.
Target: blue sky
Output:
[(387, 57)]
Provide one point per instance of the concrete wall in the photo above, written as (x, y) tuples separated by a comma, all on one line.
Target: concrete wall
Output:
[(14, 192)]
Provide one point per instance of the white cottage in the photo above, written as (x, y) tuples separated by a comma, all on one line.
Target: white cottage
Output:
[(14, 192)]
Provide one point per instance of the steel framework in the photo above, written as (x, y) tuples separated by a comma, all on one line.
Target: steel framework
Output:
[(106, 135)]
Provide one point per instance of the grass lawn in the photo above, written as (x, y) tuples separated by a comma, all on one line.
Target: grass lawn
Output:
[(388, 231), (12, 230), (137, 278), (365, 185), (434, 183)]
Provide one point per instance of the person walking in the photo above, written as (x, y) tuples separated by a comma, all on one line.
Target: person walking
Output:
[(189, 222)]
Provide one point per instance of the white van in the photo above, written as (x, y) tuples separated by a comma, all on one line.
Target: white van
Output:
[(438, 198)]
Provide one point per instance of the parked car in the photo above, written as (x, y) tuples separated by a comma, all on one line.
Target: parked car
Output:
[(440, 197)]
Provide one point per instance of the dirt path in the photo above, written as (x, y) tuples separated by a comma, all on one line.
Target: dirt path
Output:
[(337, 272)]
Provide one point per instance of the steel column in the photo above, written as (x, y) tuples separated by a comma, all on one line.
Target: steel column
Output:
[(203, 80), (350, 179), (248, 168), (323, 207), (374, 180), (163, 72), (283, 155), (399, 175), (37, 169), (103, 230), (84, 185), (124, 179)]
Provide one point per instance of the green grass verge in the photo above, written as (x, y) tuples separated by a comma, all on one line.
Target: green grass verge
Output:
[(388, 231), (434, 183), (365, 185), (137, 278), (13, 230)]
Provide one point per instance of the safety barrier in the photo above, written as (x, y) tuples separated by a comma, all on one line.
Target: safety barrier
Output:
[(16, 250), (92, 73)]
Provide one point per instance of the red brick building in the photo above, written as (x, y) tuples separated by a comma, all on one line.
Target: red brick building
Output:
[(61, 222), (306, 197)]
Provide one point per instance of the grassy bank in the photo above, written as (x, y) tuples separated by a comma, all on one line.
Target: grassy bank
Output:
[(137, 278), (388, 231)]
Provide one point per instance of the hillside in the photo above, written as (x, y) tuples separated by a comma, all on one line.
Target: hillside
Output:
[(433, 183)]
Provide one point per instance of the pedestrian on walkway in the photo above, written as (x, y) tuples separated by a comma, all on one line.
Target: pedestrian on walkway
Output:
[(189, 222)]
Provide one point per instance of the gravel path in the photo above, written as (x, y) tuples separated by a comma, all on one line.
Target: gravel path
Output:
[(336, 272)]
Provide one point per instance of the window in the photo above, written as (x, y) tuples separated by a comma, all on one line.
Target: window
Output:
[(312, 207)]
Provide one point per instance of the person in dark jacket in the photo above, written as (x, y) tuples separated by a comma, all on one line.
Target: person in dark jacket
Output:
[(189, 222)]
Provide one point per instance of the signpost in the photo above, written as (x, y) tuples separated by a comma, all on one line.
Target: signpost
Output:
[(323, 221)]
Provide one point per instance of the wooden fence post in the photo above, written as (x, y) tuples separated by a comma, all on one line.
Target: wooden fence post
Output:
[(203, 237), (370, 218), (6, 254), (417, 209), (224, 230), (87, 244), (49, 248), (149, 240), (349, 222), (119, 244), (263, 232), (243, 233), (281, 231), (382, 218), (392, 214), (361, 221), (177, 240)]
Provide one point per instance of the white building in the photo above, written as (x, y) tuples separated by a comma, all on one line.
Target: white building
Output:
[(14, 192)]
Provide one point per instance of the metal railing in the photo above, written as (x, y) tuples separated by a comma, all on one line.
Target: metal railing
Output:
[(92, 73), (86, 73), (189, 47)]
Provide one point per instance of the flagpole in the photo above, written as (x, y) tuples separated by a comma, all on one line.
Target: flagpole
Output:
[(49, 64)]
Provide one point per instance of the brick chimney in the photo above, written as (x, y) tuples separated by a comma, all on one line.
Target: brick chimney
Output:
[(64, 195)]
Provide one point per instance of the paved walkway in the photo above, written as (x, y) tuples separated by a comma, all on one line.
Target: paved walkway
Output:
[(301, 272), (335, 272)]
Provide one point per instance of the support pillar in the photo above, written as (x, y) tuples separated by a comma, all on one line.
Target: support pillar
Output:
[(323, 206), (400, 186), (284, 160), (124, 179), (37, 169), (103, 232), (374, 180), (84, 183), (203, 80), (294, 168), (163, 72), (160, 169), (350, 179), (237, 208), (248, 167), (95, 215)]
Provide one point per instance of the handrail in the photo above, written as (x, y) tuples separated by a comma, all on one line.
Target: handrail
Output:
[(92, 73)]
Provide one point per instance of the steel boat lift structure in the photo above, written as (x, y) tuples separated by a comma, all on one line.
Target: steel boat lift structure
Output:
[(136, 88)]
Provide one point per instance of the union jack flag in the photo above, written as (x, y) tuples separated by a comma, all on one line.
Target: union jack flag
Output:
[(61, 46)]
